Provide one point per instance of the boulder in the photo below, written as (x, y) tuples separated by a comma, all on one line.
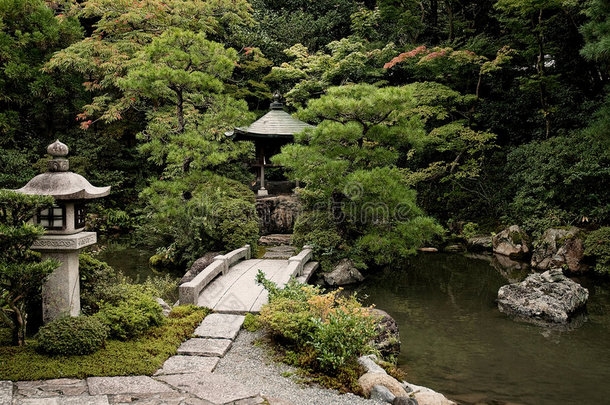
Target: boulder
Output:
[(198, 266), (164, 305), (426, 396), (512, 242), (544, 299), (560, 248), (369, 363), (480, 243), (427, 249), (387, 338), (344, 273), (404, 401), (453, 249), (382, 394), (368, 380)]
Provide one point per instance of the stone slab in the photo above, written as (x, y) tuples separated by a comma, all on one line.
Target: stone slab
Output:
[(165, 398), (77, 400), (51, 388), (220, 326), (125, 385), (205, 347), (188, 364), (244, 292), (279, 252), (212, 387), (6, 392)]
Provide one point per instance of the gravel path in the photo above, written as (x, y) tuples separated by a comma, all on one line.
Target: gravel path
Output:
[(251, 365)]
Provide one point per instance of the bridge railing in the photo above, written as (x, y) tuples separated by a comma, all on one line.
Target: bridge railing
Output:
[(296, 263), (189, 292)]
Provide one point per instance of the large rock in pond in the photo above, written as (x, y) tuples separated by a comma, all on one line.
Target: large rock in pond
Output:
[(344, 273), (387, 337), (560, 248), (198, 266), (512, 242), (544, 299)]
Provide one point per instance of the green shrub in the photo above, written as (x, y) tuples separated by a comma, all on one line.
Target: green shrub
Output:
[(470, 230), (597, 245), (132, 314), (165, 287), (252, 323), (326, 331), (341, 338), (72, 336), (96, 277)]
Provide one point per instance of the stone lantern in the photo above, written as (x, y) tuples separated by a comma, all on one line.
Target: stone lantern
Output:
[(64, 223)]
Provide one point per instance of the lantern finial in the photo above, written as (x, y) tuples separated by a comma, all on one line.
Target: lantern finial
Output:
[(58, 150)]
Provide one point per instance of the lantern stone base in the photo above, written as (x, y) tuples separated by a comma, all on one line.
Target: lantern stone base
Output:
[(61, 291)]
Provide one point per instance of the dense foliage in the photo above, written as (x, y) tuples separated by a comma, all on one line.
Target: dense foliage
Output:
[(489, 112), (597, 245)]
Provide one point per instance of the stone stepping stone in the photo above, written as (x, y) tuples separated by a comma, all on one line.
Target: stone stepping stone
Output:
[(51, 388), (188, 364), (211, 387), (220, 326), (77, 400), (125, 385), (6, 392), (205, 347)]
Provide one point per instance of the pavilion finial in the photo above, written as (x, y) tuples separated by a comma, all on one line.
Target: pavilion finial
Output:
[(277, 101)]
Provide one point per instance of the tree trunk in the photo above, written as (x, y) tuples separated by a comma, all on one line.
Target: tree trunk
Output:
[(20, 321), (180, 110), (450, 19), (540, 69)]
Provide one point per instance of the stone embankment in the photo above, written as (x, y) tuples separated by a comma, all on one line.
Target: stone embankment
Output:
[(381, 387)]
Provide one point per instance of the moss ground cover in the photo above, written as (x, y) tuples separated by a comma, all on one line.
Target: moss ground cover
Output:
[(140, 356)]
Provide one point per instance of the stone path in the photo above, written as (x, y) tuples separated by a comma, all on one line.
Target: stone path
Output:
[(185, 379)]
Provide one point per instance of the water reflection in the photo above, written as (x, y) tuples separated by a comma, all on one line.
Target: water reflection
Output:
[(456, 341)]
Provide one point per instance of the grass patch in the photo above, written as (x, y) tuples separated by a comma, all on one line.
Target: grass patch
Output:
[(140, 356)]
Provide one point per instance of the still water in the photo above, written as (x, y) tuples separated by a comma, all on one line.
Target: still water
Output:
[(454, 340), (132, 261)]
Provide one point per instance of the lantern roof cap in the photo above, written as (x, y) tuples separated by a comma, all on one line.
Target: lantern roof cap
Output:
[(60, 183), (277, 123)]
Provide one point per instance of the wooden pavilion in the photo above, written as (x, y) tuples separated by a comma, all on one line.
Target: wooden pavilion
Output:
[(269, 133)]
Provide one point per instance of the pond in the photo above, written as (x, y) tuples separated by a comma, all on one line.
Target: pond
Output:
[(131, 260), (455, 341)]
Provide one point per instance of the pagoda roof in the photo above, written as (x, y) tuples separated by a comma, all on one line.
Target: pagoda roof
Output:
[(63, 186), (277, 123)]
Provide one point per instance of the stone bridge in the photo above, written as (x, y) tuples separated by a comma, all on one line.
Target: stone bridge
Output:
[(228, 285)]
